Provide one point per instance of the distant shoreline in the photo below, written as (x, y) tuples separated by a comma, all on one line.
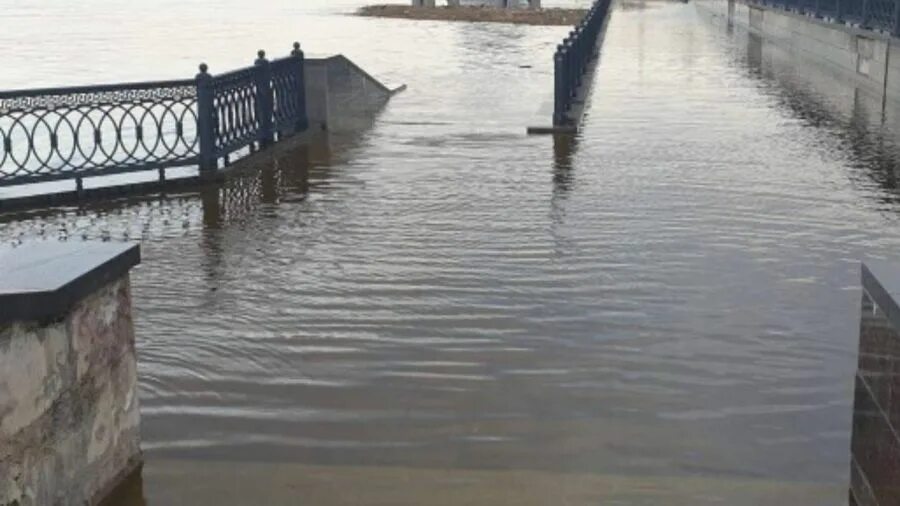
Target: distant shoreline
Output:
[(476, 14)]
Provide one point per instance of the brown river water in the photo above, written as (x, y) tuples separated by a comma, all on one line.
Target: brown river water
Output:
[(439, 309)]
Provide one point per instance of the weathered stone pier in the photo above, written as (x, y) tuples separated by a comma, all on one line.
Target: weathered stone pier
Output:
[(69, 419)]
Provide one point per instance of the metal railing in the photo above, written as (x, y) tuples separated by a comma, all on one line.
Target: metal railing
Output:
[(879, 15), (571, 60), (84, 131)]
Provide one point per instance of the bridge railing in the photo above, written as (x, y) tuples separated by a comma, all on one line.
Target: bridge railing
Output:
[(572, 57), (72, 133), (879, 15)]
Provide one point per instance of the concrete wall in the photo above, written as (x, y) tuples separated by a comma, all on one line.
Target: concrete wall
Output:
[(340, 95), (869, 59), (892, 86), (69, 420)]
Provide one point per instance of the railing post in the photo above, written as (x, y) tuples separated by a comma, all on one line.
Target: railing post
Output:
[(572, 53), (576, 60), (206, 121), (585, 48), (839, 11), (866, 14), (265, 107), (895, 28), (303, 119), (559, 87), (570, 71)]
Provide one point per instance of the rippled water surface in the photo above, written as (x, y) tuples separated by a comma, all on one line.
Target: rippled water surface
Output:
[(672, 295)]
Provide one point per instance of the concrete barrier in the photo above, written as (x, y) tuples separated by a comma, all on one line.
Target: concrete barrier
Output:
[(867, 58), (340, 95), (69, 419)]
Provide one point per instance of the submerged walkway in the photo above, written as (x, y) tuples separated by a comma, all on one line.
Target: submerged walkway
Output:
[(661, 310)]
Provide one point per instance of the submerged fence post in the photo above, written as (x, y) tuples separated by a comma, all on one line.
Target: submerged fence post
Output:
[(559, 87), (572, 61), (303, 119), (569, 53), (206, 121), (895, 27), (581, 43), (264, 100)]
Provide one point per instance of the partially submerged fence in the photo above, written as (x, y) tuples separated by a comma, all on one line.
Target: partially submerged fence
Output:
[(881, 15), (78, 132), (571, 60)]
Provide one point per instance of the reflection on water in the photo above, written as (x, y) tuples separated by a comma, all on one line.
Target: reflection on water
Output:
[(564, 148), (855, 119), (661, 310)]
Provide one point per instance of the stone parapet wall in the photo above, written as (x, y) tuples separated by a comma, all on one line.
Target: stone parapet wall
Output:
[(69, 417)]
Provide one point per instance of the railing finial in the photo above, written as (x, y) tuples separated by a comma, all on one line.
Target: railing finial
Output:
[(204, 68), (260, 55)]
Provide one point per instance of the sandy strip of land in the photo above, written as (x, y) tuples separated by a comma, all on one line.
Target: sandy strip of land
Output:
[(559, 17)]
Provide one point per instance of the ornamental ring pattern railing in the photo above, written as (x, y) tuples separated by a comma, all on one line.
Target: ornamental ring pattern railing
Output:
[(79, 132)]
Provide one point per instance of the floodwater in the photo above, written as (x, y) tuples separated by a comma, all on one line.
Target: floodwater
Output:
[(439, 309)]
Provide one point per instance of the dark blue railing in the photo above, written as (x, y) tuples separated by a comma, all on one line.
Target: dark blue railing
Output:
[(572, 57), (879, 15), (78, 132)]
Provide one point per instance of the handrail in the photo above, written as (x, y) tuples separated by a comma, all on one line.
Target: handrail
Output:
[(92, 88)]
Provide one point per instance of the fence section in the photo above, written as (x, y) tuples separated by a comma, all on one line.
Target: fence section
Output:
[(78, 132), (571, 60), (289, 94), (235, 109), (54, 134)]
